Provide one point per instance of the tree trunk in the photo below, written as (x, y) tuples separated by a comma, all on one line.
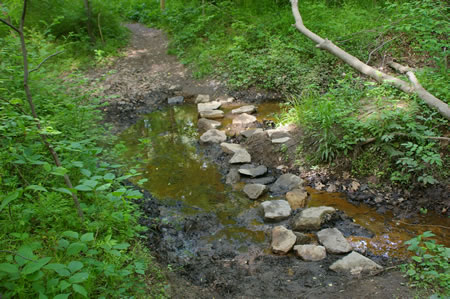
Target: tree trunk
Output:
[(87, 8), (162, 4), (411, 88)]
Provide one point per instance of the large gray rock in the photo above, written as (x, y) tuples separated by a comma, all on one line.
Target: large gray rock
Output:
[(233, 176), (252, 171), (355, 263), (297, 198), (264, 180), (311, 218), (276, 210), (175, 100), (207, 124), (244, 120), (212, 114), (278, 133), (202, 98), (254, 191), (231, 148), (213, 136), (208, 106), (282, 240), (241, 156), (334, 241), (244, 109), (250, 132), (310, 252), (286, 183)]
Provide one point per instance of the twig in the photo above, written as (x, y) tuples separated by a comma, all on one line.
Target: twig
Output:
[(10, 25), (21, 175), (15, 253), (43, 61), (432, 225), (399, 68), (379, 47), (100, 28), (14, 105)]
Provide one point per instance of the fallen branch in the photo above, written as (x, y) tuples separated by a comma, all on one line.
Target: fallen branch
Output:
[(414, 88)]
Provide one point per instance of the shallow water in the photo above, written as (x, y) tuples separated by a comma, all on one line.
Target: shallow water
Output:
[(165, 143)]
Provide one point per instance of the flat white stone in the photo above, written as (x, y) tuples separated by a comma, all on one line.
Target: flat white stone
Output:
[(241, 156), (254, 191), (231, 148), (355, 263), (281, 140), (276, 210), (208, 106), (202, 98), (283, 240), (212, 114), (213, 136), (244, 109)]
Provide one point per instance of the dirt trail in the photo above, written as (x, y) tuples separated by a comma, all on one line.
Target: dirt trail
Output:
[(140, 82)]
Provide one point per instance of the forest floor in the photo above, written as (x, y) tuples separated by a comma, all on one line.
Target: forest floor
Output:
[(140, 82)]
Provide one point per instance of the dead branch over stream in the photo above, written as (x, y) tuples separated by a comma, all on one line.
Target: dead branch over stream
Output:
[(414, 87)]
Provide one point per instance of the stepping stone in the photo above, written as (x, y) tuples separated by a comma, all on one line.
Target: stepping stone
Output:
[(231, 148), (232, 177), (241, 156), (253, 171), (310, 252), (278, 133), (283, 240), (208, 106), (311, 218), (225, 99), (175, 100), (276, 210), (286, 183), (207, 124), (202, 98), (302, 238), (281, 140), (244, 109), (265, 180), (212, 114), (355, 263), (297, 198), (334, 241), (250, 132), (244, 120), (254, 191), (213, 136)]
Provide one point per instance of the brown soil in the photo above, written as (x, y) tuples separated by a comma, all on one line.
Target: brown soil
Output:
[(140, 82)]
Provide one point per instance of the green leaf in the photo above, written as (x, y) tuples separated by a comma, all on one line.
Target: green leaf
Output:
[(35, 266), (109, 176), (87, 237), (428, 234), (9, 268), (104, 187), (62, 296), (70, 234), (83, 188), (417, 259), (59, 171), (54, 266), (74, 266), (76, 248), (63, 190), (80, 290), (64, 285), (86, 172), (9, 198), (36, 188), (63, 272), (121, 246), (79, 277), (27, 252)]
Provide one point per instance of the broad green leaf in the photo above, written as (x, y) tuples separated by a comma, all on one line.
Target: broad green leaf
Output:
[(54, 266), (83, 188), (121, 246), (36, 188), (80, 290), (90, 183), (109, 176), (104, 187), (76, 248), (79, 277), (86, 172), (417, 259), (63, 190), (428, 234), (35, 266), (87, 237), (27, 252), (62, 296), (9, 268), (63, 272), (59, 171), (74, 266), (9, 198), (42, 296), (70, 234), (64, 285)]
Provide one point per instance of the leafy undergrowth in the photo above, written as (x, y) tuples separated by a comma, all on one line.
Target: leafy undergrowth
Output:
[(46, 250)]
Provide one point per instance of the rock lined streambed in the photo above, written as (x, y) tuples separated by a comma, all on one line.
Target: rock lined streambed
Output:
[(225, 218)]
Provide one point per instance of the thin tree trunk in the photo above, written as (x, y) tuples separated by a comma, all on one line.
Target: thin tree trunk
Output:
[(87, 8), (29, 97), (162, 4), (411, 88)]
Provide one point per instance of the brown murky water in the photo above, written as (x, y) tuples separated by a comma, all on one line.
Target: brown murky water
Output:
[(165, 145)]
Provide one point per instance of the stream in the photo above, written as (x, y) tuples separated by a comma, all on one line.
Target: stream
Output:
[(216, 233)]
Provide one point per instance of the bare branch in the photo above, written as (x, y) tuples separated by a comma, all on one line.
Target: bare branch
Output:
[(379, 47), (43, 61), (15, 253), (10, 25), (400, 68)]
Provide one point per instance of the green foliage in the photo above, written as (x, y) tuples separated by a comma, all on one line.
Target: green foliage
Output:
[(429, 267), (47, 251)]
